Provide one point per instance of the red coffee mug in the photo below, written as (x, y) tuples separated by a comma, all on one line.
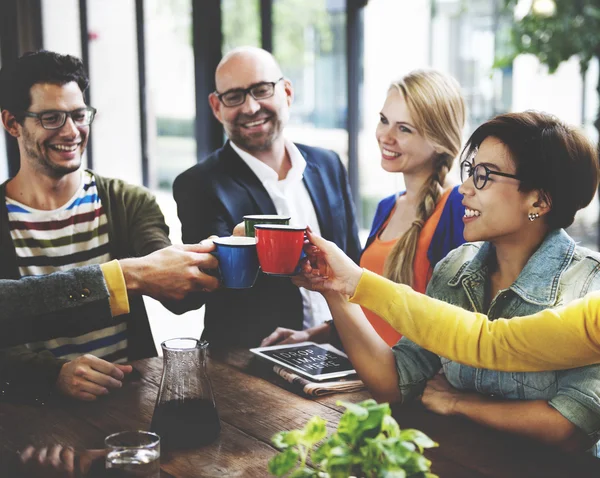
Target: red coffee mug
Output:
[(279, 248)]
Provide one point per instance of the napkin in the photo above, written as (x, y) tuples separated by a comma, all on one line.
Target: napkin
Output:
[(319, 389)]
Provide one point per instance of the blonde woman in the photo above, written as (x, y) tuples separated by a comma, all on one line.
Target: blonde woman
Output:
[(419, 135)]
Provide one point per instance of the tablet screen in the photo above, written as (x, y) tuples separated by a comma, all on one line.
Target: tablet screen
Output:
[(316, 361)]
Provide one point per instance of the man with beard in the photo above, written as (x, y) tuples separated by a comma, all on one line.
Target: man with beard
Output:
[(258, 171), (56, 216)]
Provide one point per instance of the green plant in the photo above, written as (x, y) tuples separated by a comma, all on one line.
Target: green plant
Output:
[(368, 442)]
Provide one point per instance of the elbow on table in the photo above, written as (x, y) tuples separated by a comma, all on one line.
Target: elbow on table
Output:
[(572, 440), (390, 395)]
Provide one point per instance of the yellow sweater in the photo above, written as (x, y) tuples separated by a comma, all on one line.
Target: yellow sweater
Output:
[(566, 337)]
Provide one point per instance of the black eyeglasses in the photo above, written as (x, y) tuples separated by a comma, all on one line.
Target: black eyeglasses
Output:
[(258, 91), (55, 119), (481, 173)]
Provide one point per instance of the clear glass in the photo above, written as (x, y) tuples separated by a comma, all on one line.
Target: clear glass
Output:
[(133, 454), (185, 415)]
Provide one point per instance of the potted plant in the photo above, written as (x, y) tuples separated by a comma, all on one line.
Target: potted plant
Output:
[(368, 443)]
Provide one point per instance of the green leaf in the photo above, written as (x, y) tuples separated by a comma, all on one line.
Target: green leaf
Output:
[(362, 420), (418, 438), (393, 474), (390, 426), (283, 462), (304, 473), (417, 463), (314, 431), (284, 440)]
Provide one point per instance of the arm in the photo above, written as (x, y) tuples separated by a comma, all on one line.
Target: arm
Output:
[(157, 264), (371, 357), (535, 419), (518, 344), (37, 308)]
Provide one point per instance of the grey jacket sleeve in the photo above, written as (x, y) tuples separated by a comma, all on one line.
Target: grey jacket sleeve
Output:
[(40, 307)]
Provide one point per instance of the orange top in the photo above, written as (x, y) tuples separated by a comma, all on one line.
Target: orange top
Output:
[(373, 259)]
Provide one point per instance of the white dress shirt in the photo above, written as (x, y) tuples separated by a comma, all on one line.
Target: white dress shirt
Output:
[(291, 198)]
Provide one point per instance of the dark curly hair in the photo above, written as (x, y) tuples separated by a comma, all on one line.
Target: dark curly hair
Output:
[(16, 79)]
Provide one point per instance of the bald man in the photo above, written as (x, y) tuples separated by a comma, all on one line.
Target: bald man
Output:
[(259, 171)]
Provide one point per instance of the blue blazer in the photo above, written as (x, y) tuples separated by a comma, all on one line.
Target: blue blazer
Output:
[(213, 197), (448, 234)]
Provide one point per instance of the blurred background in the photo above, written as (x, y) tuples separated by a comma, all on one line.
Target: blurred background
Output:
[(151, 66)]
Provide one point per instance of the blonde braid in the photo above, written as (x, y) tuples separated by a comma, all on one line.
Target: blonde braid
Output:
[(398, 265)]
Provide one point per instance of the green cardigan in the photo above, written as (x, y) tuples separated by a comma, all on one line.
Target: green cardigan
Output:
[(136, 227)]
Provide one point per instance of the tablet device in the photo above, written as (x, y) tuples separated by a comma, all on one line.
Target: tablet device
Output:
[(314, 361)]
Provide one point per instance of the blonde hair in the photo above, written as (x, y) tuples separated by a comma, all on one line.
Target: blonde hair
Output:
[(437, 108)]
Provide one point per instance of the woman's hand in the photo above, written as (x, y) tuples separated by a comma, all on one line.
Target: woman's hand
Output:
[(441, 397), (327, 268)]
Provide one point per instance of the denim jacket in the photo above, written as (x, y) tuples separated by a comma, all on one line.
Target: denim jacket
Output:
[(558, 272)]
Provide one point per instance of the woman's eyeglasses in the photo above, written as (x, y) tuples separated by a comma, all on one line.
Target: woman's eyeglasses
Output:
[(480, 173)]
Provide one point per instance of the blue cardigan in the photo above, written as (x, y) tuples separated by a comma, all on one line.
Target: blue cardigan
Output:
[(448, 234)]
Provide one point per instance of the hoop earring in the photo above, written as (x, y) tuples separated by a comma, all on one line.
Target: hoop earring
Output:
[(533, 216)]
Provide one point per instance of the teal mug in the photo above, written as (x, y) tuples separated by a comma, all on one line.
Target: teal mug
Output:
[(252, 220)]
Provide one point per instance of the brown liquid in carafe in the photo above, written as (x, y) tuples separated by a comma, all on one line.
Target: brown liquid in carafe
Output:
[(186, 423)]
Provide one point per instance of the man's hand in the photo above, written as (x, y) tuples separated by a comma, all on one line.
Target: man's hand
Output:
[(239, 230), (57, 461), (88, 377), (441, 397), (172, 272), (283, 336)]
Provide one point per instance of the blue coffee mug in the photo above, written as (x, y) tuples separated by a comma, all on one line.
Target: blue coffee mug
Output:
[(238, 261)]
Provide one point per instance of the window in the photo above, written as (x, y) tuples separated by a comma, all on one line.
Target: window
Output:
[(171, 96), (311, 49)]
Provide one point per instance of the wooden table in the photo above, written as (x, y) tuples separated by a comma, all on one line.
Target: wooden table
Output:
[(253, 405)]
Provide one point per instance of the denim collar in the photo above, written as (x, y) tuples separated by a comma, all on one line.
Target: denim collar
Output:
[(538, 281)]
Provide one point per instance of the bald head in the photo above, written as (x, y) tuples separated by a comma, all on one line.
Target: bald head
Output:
[(256, 123), (244, 66)]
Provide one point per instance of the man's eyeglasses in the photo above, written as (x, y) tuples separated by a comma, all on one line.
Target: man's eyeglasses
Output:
[(55, 119), (480, 173), (258, 91)]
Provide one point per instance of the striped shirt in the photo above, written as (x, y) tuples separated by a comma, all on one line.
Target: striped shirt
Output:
[(73, 235)]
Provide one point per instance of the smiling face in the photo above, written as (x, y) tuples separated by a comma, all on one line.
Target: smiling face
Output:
[(255, 124), (403, 148), (499, 211), (58, 152)]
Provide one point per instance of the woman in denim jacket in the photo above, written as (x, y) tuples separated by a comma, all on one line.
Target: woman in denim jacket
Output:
[(525, 176)]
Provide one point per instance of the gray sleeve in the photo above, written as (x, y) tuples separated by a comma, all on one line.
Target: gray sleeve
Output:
[(415, 366), (32, 308)]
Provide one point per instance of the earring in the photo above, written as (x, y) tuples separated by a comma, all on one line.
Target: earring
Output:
[(533, 216)]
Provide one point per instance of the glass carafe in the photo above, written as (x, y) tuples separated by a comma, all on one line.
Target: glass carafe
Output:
[(185, 414)]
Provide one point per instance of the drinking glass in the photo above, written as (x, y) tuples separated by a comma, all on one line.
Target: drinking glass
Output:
[(133, 454)]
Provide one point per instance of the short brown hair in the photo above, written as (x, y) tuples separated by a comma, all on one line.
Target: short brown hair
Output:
[(550, 156)]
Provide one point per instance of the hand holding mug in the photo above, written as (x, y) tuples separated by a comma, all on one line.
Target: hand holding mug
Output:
[(327, 268)]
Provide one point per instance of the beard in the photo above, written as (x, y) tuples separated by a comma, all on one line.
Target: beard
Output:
[(255, 142), (40, 159)]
